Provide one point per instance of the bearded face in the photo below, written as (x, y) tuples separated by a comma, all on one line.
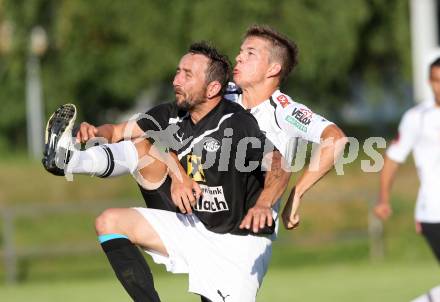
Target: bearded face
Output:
[(190, 98), (190, 81)]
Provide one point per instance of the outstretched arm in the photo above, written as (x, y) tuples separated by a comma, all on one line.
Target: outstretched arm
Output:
[(332, 146), (111, 132), (156, 119), (275, 183), (383, 208)]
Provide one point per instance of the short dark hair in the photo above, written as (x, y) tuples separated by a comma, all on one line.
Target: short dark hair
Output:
[(435, 63), (219, 68), (283, 49)]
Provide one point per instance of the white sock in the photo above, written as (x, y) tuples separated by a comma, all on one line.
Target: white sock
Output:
[(432, 296), (105, 161)]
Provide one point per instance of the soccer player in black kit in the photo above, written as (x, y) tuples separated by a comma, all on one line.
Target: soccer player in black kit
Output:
[(222, 148)]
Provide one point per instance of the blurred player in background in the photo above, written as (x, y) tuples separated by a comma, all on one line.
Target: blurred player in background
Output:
[(419, 133)]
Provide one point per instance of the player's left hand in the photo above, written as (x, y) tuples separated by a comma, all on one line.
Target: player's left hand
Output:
[(185, 193), (257, 217), (418, 227), (383, 210), (86, 132)]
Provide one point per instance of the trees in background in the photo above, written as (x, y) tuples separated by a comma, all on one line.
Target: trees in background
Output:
[(102, 54)]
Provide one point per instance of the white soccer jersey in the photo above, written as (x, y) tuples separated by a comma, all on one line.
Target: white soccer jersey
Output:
[(284, 121), (419, 132)]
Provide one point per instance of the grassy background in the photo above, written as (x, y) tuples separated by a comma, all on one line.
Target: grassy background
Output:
[(326, 259), (337, 282)]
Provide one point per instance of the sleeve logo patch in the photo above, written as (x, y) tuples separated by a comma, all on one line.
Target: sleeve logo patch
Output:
[(302, 115), (291, 120), (283, 100), (300, 118)]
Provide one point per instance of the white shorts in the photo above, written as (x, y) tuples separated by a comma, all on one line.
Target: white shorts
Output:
[(218, 265)]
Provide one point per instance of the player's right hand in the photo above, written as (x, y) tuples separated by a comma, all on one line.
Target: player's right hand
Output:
[(383, 210), (185, 192), (257, 218), (290, 214), (86, 132)]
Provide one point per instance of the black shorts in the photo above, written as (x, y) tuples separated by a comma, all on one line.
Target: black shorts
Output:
[(160, 198), (431, 232)]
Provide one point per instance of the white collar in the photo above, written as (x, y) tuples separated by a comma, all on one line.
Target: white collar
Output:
[(273, 96)]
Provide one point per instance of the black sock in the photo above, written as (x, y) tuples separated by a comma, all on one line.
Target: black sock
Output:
[(131, 269)]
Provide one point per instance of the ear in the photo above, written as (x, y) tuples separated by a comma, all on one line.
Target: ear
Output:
[(274, 70), (213, 89)]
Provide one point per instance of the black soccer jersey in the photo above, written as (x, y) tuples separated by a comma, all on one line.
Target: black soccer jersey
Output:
[(222, 152)]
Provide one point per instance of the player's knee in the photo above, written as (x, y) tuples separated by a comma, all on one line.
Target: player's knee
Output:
[(106, 222), (152, 168), (148, 181), (142, 148)]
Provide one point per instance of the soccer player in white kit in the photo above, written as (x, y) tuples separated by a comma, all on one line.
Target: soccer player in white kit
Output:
[(265, 60), (419, 133)]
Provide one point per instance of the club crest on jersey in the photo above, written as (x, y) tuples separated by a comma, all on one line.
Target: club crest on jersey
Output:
[(212, 200), (195, 168), (211, 145), (283, 100)]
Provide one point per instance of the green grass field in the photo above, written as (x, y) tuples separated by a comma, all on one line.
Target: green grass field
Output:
[(342, 282), (326, 259)]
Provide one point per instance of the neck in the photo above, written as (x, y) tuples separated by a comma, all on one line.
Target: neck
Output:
[(201, 110), (257, 94)]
